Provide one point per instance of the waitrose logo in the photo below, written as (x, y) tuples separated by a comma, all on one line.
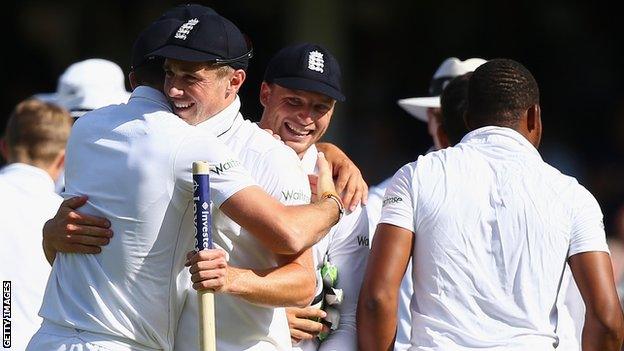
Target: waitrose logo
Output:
[(295, 195), (224, 166)]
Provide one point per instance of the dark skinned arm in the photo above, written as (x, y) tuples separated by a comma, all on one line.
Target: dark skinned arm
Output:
[(593, 273), (377, 305)]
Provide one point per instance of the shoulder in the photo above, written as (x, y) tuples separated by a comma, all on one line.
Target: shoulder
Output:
[(260, 140), (565, 186), (405, 173), (270, 151)]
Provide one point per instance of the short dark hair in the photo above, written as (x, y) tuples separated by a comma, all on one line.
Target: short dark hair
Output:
[(499, 91), (453, 103), (151, 74)]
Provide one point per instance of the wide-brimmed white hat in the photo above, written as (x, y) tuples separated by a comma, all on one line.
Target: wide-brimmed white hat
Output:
[(449, 69), (88, 85)]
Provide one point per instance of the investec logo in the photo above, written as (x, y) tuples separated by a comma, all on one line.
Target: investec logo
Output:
[(296, 195), (391, 200), (224, 166), (205, 224)]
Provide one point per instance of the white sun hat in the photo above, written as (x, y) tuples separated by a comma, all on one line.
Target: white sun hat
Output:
[(449, 69), (88, 85)]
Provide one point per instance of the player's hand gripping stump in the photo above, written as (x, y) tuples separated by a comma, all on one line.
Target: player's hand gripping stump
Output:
[(203, 241)]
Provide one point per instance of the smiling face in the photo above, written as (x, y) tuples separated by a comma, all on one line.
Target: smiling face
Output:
[(299, 117), (198, 91)]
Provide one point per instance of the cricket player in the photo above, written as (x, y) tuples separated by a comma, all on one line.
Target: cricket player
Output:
[(34, 146), (129, 296), (299, 93), (444, 133), (258, 279), (490, 227)]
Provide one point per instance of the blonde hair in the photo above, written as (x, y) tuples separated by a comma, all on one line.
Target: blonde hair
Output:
[(223, 71), (36, 132)]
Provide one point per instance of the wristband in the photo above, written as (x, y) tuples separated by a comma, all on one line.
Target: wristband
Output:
[(333, 196)]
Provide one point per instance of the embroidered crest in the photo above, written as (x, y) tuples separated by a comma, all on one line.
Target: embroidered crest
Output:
[(186, 28), (315, 61)]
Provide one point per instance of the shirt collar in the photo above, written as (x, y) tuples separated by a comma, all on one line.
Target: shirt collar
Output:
[(500, 135), (149, 93), (223, 121), (30, 175)]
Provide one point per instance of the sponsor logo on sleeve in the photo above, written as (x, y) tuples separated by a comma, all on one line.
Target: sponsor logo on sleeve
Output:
[(362, 240), (224, 166), (391, 200), (295, 195)]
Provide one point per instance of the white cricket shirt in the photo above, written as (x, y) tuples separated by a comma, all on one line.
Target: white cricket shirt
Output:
[(242, 325), (494, 225), (404, 316), (27, 201), (345, 246), (134, 162)]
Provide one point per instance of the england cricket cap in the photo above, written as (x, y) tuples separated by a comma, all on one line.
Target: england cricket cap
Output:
[(449, 69), (186, 12), (208, 38), (150, 39), (88, 85), (308, 67)]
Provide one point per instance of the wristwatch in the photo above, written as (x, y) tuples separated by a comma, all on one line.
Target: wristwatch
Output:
[(333, 196)]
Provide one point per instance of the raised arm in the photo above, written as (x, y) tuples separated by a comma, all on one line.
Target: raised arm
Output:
[(349, 181), (377, 306), (604, 327), (285, 229)]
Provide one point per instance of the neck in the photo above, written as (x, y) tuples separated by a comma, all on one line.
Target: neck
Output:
[(52, 171)]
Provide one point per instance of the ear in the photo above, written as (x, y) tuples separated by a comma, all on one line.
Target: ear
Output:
[(466, 120), (60, 159), (442, 138), (57, 165), (534, 125), (236, 81), (265, 93), (132, 80), (4, 149), (534, 118)]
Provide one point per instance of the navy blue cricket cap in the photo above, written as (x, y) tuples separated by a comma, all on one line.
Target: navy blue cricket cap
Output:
[(186, 12), (152, 38), (308, 67), (208, 38)]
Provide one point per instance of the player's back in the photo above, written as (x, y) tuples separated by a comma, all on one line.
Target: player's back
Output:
[(124, 158), (493, 226)]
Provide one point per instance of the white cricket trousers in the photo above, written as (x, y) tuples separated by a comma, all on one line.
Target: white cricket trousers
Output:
[(55, 337)]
